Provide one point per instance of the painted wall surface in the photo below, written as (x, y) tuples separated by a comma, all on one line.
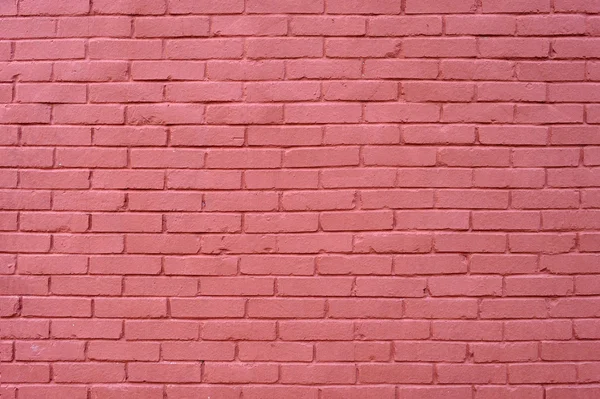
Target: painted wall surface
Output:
[(305, 199)]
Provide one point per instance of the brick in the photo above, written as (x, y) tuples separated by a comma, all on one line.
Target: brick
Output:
[(392, 243), (89, 114), (50, 49), (356, 392), (244, 114), (51, 93), (55, 135), (396, 373), (25, 113), (130, 307), (80, 285), (86, 328), (303, 330), (303, 286), (345, 351), (402, 112), (245, 70), (170, 372), (511, 6), (269, 351), (131, 391), (477, 25), (206, 308), (163, 244), (467, 330), (25, 373), (58, 391), (195, 350), (276, 265), (528, 330), (472, 373), (429, 264), (207, 7), (167, 70), (401, 69), (241, 373), (284, 136), (90, 372), (203, 179), (24, 329), (94, 71), (365, 308), (554, 373), (393, 329), (262, 25), (238, 330), (192, 26), (318, 374), (328, 26), (439, 7), (513, 308), (382, 134), (135, 7), (202, 49), (405, 26), (56, 307), (203, 92), (544, 243), (282, 91), (49, 351), (165, 114), (477, 70), (161, 330), (441, 308), (508, 352)]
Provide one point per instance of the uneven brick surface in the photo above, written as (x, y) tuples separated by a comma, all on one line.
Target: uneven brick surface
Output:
[(317, 199)]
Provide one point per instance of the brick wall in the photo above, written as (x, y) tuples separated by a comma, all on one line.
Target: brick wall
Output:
[(316, 199)]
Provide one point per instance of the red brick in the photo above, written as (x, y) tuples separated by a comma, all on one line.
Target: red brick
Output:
[(130, 307), (49, 49), (277, 265), (365, 308), (415, 351), (192, 26), (263, 25), (49, 351), (413, 25), (395, 373), (56, 307), (508, 352), (201, 266), (437, 308), (238, 330), (275, 351), (169, 372), (161, 330), (316, 330), (202, 49), (93, 71), (86, 328), (471, 373), (53, 391), (328, 26), (393, 329), (206, 308), (439, 7), (89, 372), (130, 391), (25, 373), (167, 70), (537, 373)]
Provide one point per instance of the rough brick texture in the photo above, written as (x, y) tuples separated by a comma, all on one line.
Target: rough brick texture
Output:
[(312, 199)]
